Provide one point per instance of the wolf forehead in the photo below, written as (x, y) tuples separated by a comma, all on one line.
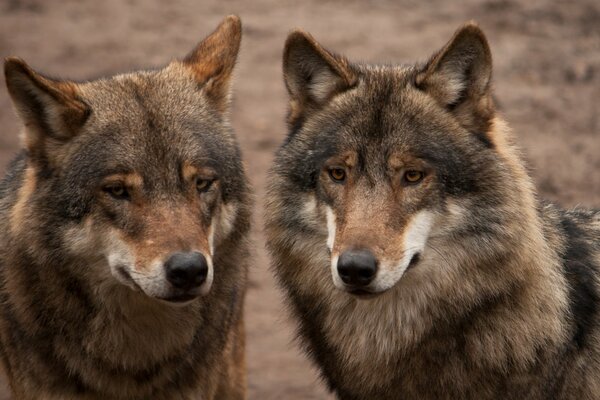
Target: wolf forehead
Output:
[(384, 115), (152, 123), (169, 86), (163, 104)]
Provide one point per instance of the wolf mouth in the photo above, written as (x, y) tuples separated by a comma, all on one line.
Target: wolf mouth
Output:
[(184, 298), (363, 294), (414, 261)]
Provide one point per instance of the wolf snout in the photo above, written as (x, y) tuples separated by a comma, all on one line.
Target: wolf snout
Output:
[(357, 268), (186, 270)]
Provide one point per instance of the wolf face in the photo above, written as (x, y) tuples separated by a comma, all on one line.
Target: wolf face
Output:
[(139, 172), (387, 156)]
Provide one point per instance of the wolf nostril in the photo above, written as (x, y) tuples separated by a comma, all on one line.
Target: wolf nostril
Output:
[(186, 270), (365, 273), (357, 267)]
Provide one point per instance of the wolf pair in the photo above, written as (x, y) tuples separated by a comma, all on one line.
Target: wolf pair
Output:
[(402, 224)]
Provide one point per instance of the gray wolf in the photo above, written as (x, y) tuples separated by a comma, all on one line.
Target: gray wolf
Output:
[(410, 241), (125, 219)]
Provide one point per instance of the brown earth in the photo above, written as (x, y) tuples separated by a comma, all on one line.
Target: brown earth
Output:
[(547, 78)]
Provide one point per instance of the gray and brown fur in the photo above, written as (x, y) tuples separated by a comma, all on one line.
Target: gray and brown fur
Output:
[(85, 310), (483, 291)]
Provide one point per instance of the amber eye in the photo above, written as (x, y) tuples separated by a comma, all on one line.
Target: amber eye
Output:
[(413, 176), (337, 174), (117, 190), (202, 185)]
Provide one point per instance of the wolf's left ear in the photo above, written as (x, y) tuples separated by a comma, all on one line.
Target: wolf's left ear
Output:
[(459, 78), (213, 60), (312, 74)]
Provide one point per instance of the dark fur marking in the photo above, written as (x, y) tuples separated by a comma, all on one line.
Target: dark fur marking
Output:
[(583, 293), (456, 174), (295, 127), (301, 169), (414, 260), (484, 139), (13, 178)]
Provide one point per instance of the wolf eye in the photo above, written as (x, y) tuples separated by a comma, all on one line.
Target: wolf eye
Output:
[(413, 176), (337, 174), (117, 190), (202, 185)]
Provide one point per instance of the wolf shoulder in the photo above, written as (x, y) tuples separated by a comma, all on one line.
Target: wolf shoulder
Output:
[(574, 233), (575, 236)]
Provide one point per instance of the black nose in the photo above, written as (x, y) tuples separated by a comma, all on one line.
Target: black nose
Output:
[(186, 270), (357, 267)]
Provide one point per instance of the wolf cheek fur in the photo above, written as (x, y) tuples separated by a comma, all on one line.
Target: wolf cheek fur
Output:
[(409, 240), (125, 220)]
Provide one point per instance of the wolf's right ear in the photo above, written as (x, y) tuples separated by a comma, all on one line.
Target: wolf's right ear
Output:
[(213, 60), (312, 74), (51, 110)]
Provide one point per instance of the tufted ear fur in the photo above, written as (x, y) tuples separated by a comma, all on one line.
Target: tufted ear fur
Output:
[(52, 110), (312, 74), (459, 78), (212, 61)]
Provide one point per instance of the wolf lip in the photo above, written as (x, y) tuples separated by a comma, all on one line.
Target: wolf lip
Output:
[(362, 293), (414, 261), (127, 278), (179, 298)]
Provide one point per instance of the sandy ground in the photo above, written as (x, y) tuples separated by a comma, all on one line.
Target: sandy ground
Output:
[(547, 79)]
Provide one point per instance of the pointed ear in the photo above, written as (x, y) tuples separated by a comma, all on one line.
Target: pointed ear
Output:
[(213, 60), (459, 78), (51, 110), (312, 74)]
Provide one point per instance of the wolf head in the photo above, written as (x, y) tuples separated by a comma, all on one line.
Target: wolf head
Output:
[(139, 173), (386, 165)]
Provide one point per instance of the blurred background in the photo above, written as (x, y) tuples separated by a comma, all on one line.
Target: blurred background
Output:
[(547, 84)]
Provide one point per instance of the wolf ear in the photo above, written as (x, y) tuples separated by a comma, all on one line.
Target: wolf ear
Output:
[(312, 74), (51, 110), (213, 60), (459, 78)]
